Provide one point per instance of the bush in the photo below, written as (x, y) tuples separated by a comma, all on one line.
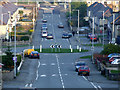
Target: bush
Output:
[(110, 48), (25, 38)]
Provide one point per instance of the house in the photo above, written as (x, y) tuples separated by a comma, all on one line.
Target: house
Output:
[(98, 11), (8, 13)]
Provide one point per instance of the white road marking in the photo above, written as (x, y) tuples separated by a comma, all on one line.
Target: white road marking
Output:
[(26, 85), (42, 39), (37, 75), (94, 86), (59, 15), (43, 64), (42, 75), (99, 87), (54, 75), (52, 63), (62, 63), (49, 24), (66, 74), (84, 77), (31, 85), (38, 64), (60, 72)]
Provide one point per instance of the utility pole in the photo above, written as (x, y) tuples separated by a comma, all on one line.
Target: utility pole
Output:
[(113, 32), (92, 41), (78, 23), (15, 58), (103, 28)]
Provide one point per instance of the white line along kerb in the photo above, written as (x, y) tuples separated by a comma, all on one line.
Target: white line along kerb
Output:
[(94, 86), (60, 72)]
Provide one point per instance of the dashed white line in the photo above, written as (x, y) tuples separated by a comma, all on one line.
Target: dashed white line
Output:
[(37, 75), (43, 64), (42, 75), (54, 75), (52, 63), (38, 64), (62, 63), (84, 77), (60, 72), (99, 87), (94, 86), (59, 15)]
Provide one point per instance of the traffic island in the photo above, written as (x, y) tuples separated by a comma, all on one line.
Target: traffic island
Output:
[(61, 50)]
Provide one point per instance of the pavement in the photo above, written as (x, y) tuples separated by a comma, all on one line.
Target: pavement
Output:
[(57, 70)]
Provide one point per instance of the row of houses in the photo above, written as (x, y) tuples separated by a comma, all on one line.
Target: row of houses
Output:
[(8, 14), (105, 17)]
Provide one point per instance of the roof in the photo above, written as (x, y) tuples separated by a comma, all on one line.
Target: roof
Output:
[(98, 8), (5, 7)]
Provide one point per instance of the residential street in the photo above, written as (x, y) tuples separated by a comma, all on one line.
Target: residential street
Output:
[(57, 70)]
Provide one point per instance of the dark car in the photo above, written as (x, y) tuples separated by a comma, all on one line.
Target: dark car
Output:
[(34, 54), (44, 21), (44, 26), (49, 36), (65, 35), (70, 34), (60, 25), (78, 64), (94, 38), (84, 70)]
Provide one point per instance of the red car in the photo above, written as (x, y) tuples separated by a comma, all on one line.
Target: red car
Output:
[(94, 38), (84, 70)]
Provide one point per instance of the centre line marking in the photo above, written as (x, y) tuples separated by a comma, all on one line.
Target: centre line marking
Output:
[(60, 72), (38, 64)]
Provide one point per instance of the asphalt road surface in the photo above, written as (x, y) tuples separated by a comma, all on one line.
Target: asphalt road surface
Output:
[(55, 70)]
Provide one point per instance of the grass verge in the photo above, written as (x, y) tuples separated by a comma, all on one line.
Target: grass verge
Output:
[(86, 57), (96, 45)]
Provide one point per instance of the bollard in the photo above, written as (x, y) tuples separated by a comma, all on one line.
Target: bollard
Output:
[(33, 47), (71, 50), (70, 47), (40, 48), (77, 47), (80, 49)]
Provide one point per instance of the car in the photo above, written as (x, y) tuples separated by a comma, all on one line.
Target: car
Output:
[(65, 35), (34, 54), (86, 28), (94, 38), (88, 35), (49, 36), (78, 64), (44, 26), (60, 25), (113, 54), (70, 34), (44, 21), (44, 34), (84, 70), (116, 61), (111, 59)]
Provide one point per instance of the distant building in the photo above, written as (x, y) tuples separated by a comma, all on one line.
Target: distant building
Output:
[(8, 13), (114, 4)]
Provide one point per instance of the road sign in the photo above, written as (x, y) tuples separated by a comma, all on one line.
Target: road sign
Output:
[(52, 46), (55, 46), (15, 59), (59, 46)]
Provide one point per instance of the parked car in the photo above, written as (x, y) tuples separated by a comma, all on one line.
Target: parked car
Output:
[(86, 28), (60, 25), (49, 36), (34, 54), (44, 34), (44, 21), (113, 54), (65, 35), (84, 70), (78, 64), (27, 52), (116, 61), (88, 35), (111, 59)]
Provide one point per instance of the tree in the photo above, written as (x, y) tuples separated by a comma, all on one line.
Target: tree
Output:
[(82, 6), (7, 61)]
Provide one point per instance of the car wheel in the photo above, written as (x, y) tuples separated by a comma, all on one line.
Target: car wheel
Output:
[(76, 70), (78, 73), (88, 74)]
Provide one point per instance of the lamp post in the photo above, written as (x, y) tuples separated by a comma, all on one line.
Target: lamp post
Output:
[(113, 31), (103, 28)]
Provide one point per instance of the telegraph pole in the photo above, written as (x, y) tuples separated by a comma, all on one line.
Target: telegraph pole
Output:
[(92, 41), (103, 28)]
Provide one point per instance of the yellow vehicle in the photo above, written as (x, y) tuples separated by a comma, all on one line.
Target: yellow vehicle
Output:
[(27, 52)]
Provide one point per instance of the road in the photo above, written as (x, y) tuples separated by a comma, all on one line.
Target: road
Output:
[(55, 70)]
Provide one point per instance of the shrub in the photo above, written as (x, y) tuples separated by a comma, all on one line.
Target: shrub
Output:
[(110, 48)]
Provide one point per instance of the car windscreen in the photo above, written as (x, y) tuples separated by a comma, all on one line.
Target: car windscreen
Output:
[(84, 68), (80, 64), (44, 32)]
